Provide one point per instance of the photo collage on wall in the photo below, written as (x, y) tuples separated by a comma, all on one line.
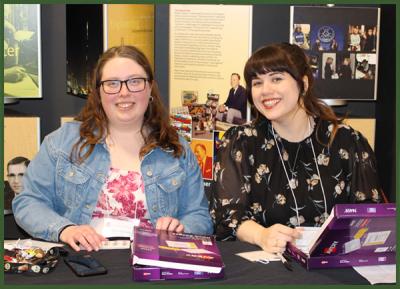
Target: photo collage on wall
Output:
[(342, 48), (206, 83), (203, 124)]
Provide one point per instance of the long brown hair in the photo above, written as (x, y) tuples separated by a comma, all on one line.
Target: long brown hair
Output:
[(285, 57), (94, 120)]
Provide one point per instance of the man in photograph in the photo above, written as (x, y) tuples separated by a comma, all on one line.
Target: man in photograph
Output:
[(14, 185), (235, 108), (205, 162), (16, 169)]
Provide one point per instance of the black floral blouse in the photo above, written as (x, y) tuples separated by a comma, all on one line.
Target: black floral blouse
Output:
[(250, 182)]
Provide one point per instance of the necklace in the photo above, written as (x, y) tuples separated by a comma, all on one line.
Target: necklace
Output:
[(293, 180), (290, 181)]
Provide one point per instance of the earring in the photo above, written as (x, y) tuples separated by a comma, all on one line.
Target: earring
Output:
[(151, 98)]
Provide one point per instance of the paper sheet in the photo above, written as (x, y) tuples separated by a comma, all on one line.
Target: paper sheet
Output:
[(307, 239), (378, 274), (257, 256)]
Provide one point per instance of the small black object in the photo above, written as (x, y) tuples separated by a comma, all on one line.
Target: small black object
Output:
[(287, 256), (285, 262), (287, 265), (85, 265)]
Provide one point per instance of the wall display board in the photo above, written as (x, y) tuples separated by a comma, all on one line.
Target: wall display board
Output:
[(130, 24), (65, 119), (208, 43), (22, 51), (21, 143), (342, 44), (84, 45), (366, 126)]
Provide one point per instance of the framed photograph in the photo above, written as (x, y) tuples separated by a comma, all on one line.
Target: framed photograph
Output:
[(84, 45), (203, 150), (22, 52), (21, 143), (342, 45)]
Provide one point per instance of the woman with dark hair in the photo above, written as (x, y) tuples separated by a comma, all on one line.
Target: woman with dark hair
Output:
[(293, 163), (118, 162)]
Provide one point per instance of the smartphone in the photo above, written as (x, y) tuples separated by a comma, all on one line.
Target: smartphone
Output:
[(85, 265)]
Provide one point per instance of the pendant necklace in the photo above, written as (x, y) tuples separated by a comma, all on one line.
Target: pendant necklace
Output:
[(292, 182)]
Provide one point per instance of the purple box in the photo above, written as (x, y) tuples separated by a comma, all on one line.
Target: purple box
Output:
[(353, 235), (163, 255), (147, 273)]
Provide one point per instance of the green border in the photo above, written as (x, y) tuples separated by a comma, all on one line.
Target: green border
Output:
[(2, 136), (165, 285)]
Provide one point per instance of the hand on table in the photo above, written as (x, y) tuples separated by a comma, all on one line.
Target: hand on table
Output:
[(274, 238), (82, 235)]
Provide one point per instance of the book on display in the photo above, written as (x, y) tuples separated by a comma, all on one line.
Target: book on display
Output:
[(353, 235), (163, 255)]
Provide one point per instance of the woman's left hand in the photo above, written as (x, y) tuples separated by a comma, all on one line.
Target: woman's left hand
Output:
[(169, 224)]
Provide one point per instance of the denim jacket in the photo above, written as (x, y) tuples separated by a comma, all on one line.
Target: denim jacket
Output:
[(58, 192)]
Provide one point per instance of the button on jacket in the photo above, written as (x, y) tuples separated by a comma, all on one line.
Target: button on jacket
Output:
[(58, 192)]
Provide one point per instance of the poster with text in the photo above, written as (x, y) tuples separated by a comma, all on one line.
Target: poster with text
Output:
[(130, 24), (342, 44), (21, 143), (209, 46), (84, 45), (22, 51)]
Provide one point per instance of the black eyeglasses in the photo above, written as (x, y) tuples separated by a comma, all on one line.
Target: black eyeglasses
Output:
[(136, 84)]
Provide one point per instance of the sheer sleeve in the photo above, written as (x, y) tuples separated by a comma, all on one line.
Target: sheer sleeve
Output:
[(363, 179), (231, 184)]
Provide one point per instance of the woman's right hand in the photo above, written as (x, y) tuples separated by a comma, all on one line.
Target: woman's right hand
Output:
[(82, 235), (275, 238)]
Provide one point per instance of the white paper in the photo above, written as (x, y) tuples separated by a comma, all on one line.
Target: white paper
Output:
[(114, 227), (308, 237), (378, 274), (259, 256)]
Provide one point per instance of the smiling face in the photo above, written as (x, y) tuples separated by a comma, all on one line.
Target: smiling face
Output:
[(276, 95), (124, 108)]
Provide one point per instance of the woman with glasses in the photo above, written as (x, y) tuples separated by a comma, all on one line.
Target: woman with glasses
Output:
[(119, 162)]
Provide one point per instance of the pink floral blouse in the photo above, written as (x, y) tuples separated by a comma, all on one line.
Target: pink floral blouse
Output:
[(122, 195)]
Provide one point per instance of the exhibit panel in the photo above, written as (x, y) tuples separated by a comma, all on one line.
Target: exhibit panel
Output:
[(22, 52), (130, 24), (21, 143), (342, 44)]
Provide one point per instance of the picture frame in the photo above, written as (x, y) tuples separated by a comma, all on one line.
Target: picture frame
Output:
[(22, 52), (342, 47)]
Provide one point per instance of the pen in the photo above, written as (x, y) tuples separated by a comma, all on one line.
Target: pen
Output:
[(285, 262)]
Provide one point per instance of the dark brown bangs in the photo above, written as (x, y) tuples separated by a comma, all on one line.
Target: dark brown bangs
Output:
[(270, 59)]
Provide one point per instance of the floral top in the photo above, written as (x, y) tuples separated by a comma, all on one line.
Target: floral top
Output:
[(122, 195), (250, 182)]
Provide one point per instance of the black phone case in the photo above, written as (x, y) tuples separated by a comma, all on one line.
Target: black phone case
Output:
[(85, 265)]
